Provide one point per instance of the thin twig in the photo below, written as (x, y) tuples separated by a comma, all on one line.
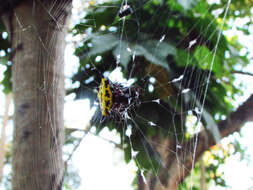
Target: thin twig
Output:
[(86, 130), (107, 140), (243, 73)]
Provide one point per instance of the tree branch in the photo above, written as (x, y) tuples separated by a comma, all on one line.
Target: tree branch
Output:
[(86, 130), (243, 73)]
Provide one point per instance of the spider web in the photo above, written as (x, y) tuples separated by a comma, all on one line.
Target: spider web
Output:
[(187, 90), (195, 94)]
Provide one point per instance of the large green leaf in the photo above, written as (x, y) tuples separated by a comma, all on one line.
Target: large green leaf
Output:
[(207, 60), (154, 51), (102, 43)]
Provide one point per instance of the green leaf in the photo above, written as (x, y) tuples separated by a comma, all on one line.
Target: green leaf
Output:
[(122, 50), (101, 16), (182, 57), (201, 7), (127, 153), (6, 82), (66, 186), (147, 162), (154, 51), (202, 55), (102, 43), (208, 60)]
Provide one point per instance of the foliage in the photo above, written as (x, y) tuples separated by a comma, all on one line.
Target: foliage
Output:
[(189, 48), (5, 52)]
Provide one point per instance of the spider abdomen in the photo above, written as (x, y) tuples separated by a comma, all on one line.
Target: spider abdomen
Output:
[(115, 100)]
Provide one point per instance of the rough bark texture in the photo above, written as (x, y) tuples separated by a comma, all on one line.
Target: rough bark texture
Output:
[(37, 30), (177, 168)]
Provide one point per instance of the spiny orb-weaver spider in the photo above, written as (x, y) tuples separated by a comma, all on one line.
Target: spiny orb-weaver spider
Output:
[(116, 100)]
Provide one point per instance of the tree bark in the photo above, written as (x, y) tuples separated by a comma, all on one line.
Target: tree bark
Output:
[(37, 30)]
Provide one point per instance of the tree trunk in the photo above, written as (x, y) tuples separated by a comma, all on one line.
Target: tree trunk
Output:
[(37, 30)]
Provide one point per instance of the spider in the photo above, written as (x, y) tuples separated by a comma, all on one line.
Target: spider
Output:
[(116, 100)]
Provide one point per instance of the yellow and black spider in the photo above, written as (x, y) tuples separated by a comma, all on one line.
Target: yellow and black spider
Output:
[(116, 100)]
